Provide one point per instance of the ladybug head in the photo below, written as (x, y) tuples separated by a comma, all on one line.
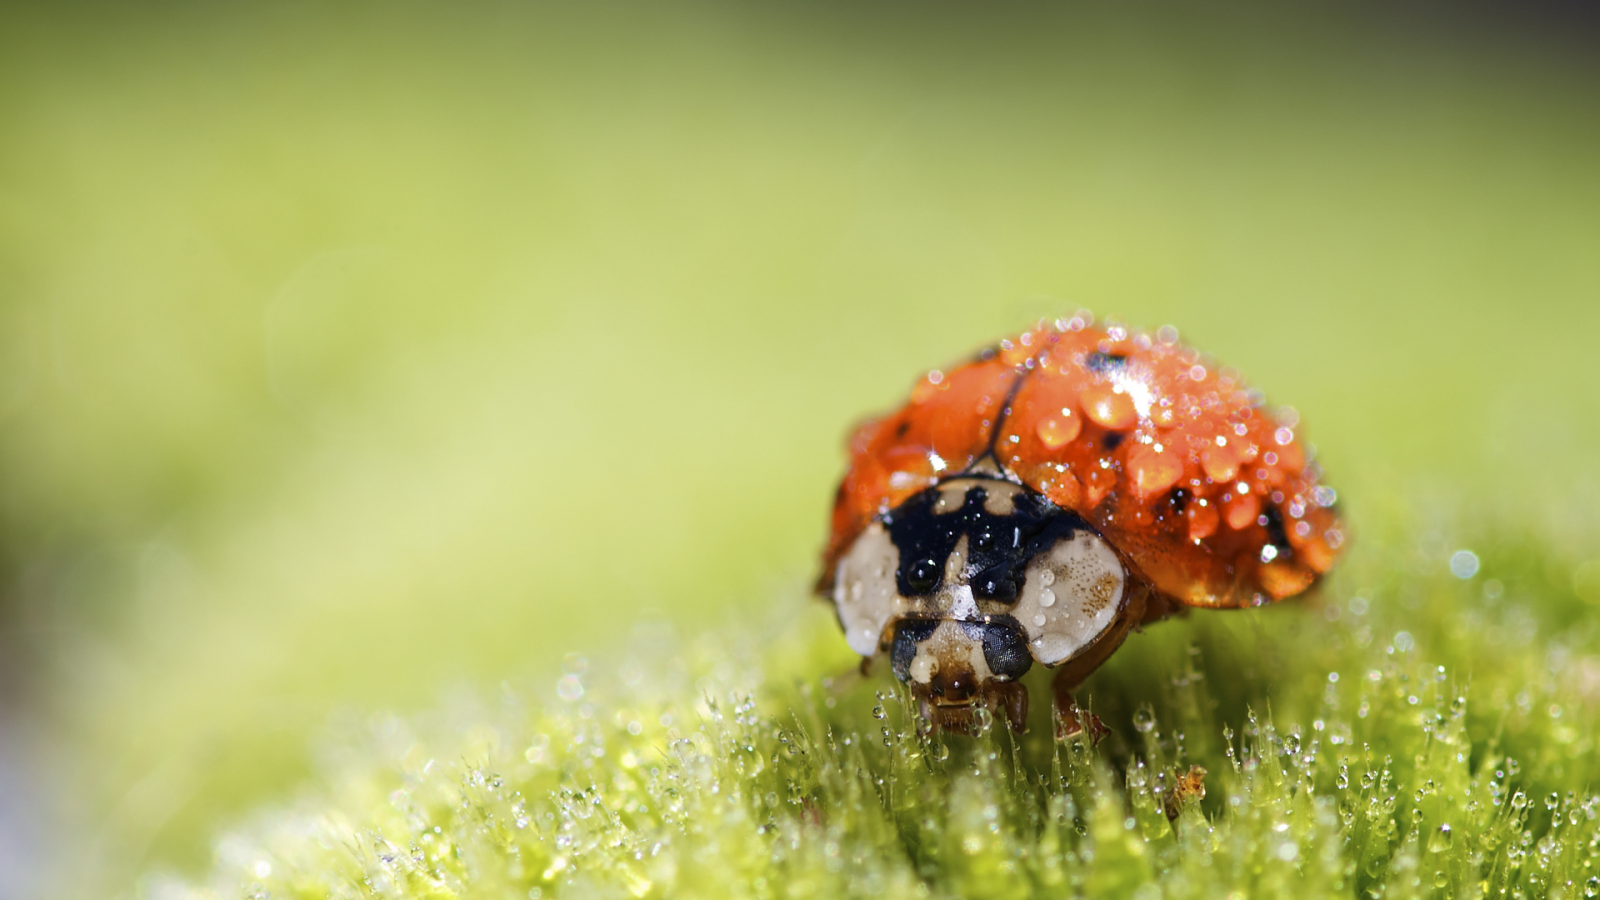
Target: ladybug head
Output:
[(954, 667), (971, 582)]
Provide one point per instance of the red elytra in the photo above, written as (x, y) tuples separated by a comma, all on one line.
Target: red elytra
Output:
[(1205, 493)]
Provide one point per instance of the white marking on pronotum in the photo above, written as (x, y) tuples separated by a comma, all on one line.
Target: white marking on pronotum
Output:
[(999, 497), (965, 608), (1087, 586), (864, 590)]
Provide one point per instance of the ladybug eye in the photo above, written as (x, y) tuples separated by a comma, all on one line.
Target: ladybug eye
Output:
[(1006, 651), (924, 576), (907, 635)]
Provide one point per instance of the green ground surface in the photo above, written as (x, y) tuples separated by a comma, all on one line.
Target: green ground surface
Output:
[(1341, 758), (352, 356)]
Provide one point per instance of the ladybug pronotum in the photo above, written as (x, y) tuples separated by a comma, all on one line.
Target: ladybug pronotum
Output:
[(1040, 501)]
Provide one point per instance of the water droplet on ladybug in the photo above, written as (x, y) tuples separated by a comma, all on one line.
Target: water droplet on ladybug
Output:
[(1153, 470), (1241, 512), (924, 575), (1109, 408), (1056, 432), (1047, 597), (1220, 463)]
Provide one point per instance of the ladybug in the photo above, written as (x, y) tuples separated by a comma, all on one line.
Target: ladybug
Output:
[(1064, 487)]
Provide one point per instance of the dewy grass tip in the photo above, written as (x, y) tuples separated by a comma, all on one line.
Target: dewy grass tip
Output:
[(1411, 733)]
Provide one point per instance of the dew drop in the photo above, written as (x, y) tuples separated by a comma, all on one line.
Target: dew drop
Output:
[(1039, 620), (569, 688), (1108, 407), (1464, 564), (1152, 470), (1056, 432), (1047, 598), (1047, 578), (1439, 841), (1144, 721)]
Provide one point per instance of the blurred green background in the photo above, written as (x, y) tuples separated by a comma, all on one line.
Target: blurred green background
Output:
[(351, 353)]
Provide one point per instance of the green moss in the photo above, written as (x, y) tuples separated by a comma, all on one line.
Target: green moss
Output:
[(1408, 733)]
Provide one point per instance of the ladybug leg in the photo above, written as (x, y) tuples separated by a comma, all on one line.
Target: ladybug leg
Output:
[(1012, 699), (1070, 720)]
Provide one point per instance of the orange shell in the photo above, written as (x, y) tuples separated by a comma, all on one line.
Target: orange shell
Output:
[(1204, 492)]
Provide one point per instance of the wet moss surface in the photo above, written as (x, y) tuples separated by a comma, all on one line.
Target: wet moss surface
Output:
[(1423, 727)]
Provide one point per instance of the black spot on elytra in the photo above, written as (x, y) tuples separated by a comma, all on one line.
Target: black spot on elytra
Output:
[(999, 547), (1102, 363), (1112, 440), (1276, 535), (901, 429), (1179, 499)]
